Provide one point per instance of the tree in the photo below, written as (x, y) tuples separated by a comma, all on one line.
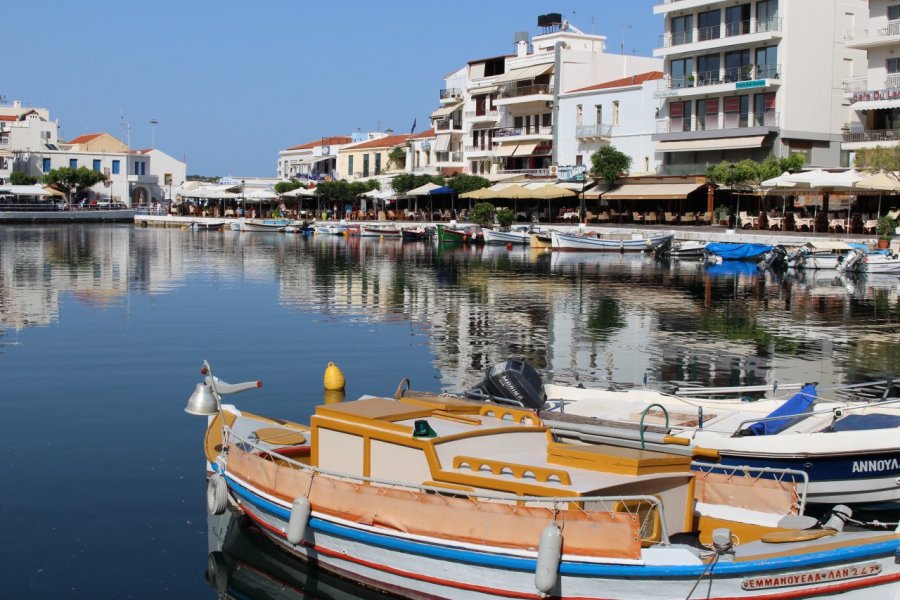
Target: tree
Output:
[(407, 181), (749, 174), (878, 158), (288, 186), (483, 214), (21, 178), (69, 179), (462, 183), (609, 163), (505, 216), (397, 157)]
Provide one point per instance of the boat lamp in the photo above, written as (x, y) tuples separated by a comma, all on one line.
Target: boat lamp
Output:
[(203, 401)]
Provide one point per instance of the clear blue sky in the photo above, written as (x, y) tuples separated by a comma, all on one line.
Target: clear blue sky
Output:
[(232, 83)]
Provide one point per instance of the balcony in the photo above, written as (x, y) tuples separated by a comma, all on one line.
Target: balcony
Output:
[(533, 133), (451, 94), (716, 122), (673, 5), (479, 150), (721, 81), (872, 135), (718, 36), (512, 94), (873, 38), (601, 131), (427, 170), (448, 157), (861, 92), (447, 125), (683, 169), (535, 172), (474, 116)]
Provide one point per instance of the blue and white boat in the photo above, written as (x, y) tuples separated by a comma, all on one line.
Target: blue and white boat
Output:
[(270, 225), (607, 242), (428, 496), (495, 236)]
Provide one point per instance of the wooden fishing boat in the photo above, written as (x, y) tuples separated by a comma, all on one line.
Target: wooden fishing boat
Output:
[(494, 236), (379, 231), (270, 225), (207, 225), (447, 235), (428, 496), (849, 449), (413, 234), (540, 240), (577, 242)]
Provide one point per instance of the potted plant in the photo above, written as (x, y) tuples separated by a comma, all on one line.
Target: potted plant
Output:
[(884, 229)]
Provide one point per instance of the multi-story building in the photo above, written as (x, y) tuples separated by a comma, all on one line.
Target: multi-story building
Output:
[(371, 158), (420, 153), (447, 122), (749, 78), (312, 160), (875, 95), (507, 103), (619, 113), (24, 132)]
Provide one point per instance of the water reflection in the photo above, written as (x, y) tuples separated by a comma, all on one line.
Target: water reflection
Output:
[(590, 316)]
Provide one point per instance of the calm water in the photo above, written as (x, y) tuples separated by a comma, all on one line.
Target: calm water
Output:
[(104, 329)]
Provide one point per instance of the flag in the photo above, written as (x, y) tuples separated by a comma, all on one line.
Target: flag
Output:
[(413, 128)]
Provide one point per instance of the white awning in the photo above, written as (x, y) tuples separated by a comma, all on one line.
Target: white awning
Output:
[(485, 89), (754, 141), (505, 149), (26, 190), (652, 191), (876, 104), (6, 154), (442, 144), (446, 111), (525, 73), (525, 149)]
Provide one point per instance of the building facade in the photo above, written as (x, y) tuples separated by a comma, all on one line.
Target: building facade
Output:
[(371, 158), (313, 160), (753, 78)]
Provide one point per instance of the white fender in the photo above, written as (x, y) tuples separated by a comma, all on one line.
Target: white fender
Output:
[(300, 510), (549, 555), (216, 494)]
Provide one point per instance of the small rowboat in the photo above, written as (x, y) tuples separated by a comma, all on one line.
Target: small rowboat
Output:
[(492, 236), (569, 242), (446, 235), (271, 225), (379, 231)]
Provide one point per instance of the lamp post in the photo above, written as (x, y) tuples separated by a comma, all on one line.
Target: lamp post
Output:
[(243, 203), (737, 213)]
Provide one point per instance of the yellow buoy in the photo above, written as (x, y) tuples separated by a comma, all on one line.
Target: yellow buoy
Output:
[(334, 379)]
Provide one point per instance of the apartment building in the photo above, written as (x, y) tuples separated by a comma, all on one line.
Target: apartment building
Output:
[(420, 153), (371, 158), (312, 160), (874, 118), (499, 113), (745, 79)]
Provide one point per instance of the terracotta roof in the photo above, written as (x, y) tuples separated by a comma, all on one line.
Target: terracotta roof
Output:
[(385, 142), (144, 151), (83, 139), (425, 134), (8, 117), (625, 81), (326, 141)]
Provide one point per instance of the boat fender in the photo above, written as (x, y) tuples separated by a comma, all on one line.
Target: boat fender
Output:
[(216, 494), (549, 554), (334, 379), (217, 572), (300, 510)]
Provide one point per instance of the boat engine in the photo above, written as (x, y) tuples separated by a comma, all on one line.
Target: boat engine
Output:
[(852, 262), (511, 382), (777, 259)]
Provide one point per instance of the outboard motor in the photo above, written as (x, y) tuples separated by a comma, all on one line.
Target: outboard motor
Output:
[(511, 382), (777, 259), (852, 262)]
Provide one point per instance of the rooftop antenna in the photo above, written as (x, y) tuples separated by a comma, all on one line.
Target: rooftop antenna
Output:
[(153, 124), (623, 26), (2, 98)]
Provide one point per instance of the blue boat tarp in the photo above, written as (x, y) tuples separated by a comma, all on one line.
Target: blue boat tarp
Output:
[(730, 251), (792, 410)]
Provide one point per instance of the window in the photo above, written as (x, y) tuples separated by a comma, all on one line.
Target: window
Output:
[(73, 163), (143, 168), (682, 72), (45, 165), (365, 171), (350, 165), (764, 109), (708, 69), (893, 65), (579, 116), (615, 116), (737, 109), (579, 160), (679, 116), (707, 114), (709, 25), (115, 167), (767, 62), (378, 163), (598, 114), (547, 120), (682, 30), (737, 20), (767, 15), (893, 12), (96, 165), (737, 66)]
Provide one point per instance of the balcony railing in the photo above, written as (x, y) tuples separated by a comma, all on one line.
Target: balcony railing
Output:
[(538, 172), (714, 32), (479, 148), (513, 131), (474, 115), (447, 125), (425, 169), (448, 157), (451, 93), (893, 28), (770, 118), (512, 91), (873, 135), (684, 169), (603, 130)]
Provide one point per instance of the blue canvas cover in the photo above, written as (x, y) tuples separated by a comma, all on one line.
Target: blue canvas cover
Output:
[(797, 404), (730, 251), (732, 268)]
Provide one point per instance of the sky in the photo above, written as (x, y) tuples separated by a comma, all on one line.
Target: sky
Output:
[(232, 83)]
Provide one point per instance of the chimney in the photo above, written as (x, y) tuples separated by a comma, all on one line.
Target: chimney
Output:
[(520, 39), (17, 104)]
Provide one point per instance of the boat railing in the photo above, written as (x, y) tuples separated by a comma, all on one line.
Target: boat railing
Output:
[(838, 413), (554, 504), (779, 474)]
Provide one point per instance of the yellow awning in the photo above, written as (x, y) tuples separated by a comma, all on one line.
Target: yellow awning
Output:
[(652, 191), (446, 111), (754, 141), (525, 73), (525, 149), (505, 149)]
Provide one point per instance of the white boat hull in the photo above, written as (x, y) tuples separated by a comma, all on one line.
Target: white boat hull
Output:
[(376, 232), (492, 236), (259, 226), (881, 264), (571, 242)]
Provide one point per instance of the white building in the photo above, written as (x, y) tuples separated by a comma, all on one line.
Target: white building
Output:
[(510, 101), (24, 132), (313, 160), (620, 113), (875, 95), (753, 78), (420, 153)]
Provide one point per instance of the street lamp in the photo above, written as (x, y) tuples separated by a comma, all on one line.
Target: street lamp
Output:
[(243, 204)]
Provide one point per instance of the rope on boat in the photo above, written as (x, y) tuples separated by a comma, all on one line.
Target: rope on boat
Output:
[(708, 569)]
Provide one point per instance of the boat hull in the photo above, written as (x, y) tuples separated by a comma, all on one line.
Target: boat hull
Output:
[(273, 225), (415, 567), (379, 232), (580, 243), (451, 236), (521, 238)]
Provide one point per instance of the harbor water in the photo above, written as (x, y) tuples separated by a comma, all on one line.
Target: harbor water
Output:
[(105, 327)]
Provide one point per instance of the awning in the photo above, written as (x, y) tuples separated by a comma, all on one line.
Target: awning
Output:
[(525, 149), (875, 104), (6, 154), (525, 73), (505, 149), (442, 144), (754, 141), (446, 111), (652, 191), (486, 89)]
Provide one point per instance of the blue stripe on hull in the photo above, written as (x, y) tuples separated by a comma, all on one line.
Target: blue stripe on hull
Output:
[(483, 559)]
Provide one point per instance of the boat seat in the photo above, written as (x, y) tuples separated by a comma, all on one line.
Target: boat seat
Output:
[(279, 436), (648, 519), (617, 460), (796, 535)]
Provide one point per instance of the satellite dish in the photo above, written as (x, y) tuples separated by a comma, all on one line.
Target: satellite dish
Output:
[(326, 150)]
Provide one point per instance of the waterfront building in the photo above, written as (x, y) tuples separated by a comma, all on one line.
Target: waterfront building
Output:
[(371, 158), (874, 118), (24, 132), (420, 153), (313, 160), (620, 113), (447, 122), (509, 102), (751, 78)]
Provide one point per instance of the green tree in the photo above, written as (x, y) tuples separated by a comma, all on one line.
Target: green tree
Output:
[(69, 180), (21, 178), (288, 186), (749, 174), (483, 214), (505, 216), (878, 158), (609, 163), (397, 157), (404, 182), (462, 183)]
